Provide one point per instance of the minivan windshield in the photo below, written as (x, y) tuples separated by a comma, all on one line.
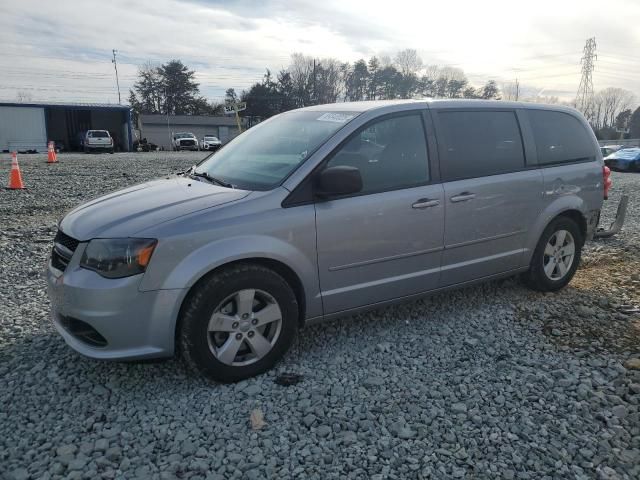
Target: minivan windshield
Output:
[(263, 156)]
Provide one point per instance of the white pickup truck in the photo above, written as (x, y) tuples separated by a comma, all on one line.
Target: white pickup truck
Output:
[(184, 141), (97, 140)]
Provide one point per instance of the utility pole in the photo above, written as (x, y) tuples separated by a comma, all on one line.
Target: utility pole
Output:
[(115, 65), (517, 89), (584, 97)]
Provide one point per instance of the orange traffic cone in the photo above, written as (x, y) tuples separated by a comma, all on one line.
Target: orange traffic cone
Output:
[(15, 178), (51, 153)]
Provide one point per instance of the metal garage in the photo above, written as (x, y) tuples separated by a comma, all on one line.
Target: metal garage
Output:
[(158, 129), (27, 127)]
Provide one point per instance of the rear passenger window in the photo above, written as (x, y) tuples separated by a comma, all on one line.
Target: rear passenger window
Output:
[(559, 137), (479, 143), (390, 154)]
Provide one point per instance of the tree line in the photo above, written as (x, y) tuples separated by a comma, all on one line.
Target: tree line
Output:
[(172, 89), (308, 81)]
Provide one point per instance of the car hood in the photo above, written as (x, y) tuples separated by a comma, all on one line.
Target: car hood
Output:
[(125, 212)]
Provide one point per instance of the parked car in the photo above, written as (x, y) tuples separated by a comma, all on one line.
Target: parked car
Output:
[(93, 140), (609, 149), (184, 141), (210, 142), (323, 212), (626, 160)]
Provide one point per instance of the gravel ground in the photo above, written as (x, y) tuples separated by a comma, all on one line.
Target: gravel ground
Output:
[(493, 381)]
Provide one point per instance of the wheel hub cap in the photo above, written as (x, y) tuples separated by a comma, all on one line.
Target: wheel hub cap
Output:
[(244, 327), (558, 255)]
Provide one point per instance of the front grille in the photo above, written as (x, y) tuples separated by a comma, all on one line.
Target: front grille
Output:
[(66, 241), (83, 331), (187, 143), (59, 261), (63, 249)]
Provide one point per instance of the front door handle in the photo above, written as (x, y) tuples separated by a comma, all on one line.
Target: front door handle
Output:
[(425, 203), (463, 197)]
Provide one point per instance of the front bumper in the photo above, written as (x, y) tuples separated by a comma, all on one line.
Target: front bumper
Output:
[(187, 147), (98, 146), (134, 324), (212, 147)]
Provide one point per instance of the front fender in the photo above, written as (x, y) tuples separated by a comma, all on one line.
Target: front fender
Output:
[(201, 261)]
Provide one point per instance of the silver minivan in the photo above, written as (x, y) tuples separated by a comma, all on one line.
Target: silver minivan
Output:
[(322, 212)]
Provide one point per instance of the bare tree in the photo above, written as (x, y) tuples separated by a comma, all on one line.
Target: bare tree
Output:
[(542, 99), (23, 97), (302, 78), (511, 91), (328, 83), (608, 103), (408, 62)]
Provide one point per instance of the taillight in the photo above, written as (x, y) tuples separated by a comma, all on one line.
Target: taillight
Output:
[(606, 179)]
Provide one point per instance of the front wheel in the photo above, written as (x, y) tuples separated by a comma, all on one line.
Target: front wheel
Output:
[(237, 323), (556, 257)]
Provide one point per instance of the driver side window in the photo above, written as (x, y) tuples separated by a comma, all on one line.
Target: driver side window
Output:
[(391, 154)]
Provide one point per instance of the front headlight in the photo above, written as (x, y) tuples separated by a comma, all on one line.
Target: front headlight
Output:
[(118, 257)]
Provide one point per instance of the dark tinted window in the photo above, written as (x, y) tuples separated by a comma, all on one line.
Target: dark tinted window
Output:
[(390, 154), (559, 137), (475, 144)]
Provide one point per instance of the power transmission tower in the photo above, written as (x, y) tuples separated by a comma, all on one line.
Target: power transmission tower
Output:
[(584, 97), (115, 65)]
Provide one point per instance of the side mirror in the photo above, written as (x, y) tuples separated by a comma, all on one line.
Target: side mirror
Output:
[(337, 181)]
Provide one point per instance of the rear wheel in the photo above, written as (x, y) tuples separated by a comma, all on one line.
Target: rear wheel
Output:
[(556, 257), (238, 323)]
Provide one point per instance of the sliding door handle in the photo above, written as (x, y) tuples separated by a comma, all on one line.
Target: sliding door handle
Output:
[(463, 197), (425, 203)]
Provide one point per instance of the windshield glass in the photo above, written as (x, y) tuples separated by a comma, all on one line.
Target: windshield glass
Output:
[(98, 134), (266, 154), (211, 137), (627, 154), (184, 135)]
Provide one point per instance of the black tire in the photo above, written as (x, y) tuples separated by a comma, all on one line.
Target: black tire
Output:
[(208, 294), (86, 149), (536, 278), (111, 151)]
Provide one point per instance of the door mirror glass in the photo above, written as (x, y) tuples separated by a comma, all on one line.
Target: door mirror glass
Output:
[(338, 181)]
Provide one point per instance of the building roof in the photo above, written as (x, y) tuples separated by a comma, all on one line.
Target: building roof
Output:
[(177, 120), (70, 105)]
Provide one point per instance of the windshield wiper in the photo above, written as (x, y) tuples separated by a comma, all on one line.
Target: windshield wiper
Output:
[(211, 179)]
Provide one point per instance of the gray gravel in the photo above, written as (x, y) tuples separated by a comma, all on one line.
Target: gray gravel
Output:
[(493, 381)]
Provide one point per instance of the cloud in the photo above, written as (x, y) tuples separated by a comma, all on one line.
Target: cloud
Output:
[(62, 50)]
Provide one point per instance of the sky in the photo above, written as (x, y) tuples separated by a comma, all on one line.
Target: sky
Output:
[(62, 50)]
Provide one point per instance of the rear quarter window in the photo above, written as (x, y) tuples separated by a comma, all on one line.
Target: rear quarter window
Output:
[(560, 138)]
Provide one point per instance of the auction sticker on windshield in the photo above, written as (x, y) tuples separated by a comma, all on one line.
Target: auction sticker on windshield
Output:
[(335, 117)]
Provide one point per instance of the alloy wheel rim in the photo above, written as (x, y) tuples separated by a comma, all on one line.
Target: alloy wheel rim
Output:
[(558, 255), (244, 327)]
